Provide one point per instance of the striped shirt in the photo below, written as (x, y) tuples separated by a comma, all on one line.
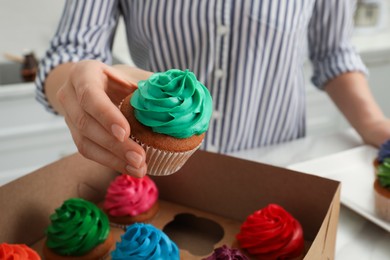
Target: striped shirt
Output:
[(249, 53)]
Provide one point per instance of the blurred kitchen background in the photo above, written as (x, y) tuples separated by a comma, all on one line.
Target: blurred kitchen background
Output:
[(30, 137)]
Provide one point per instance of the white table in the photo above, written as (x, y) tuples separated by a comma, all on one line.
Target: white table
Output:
[(357, 238)]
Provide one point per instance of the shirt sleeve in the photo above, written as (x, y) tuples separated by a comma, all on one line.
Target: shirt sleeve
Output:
[(329, 39), (85, 31)]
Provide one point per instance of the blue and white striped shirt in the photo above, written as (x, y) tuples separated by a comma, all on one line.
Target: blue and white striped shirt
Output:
[(249, 53)]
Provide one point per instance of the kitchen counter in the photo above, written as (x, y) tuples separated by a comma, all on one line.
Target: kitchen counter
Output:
[(357, 238)]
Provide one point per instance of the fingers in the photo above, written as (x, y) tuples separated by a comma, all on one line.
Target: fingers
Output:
[(93, 141), (90, 93), (92, 151), (133, 74), (96, 103), (120, 84), (133, 163), (123, 79), (98, 128)]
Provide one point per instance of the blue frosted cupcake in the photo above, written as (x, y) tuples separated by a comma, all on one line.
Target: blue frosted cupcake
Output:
[(144, 241)]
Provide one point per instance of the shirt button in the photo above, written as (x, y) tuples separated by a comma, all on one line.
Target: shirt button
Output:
[(222, 30), (216, 115), (219, 73)]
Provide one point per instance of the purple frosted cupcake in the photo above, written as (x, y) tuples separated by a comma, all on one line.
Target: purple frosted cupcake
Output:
[(226, 253)]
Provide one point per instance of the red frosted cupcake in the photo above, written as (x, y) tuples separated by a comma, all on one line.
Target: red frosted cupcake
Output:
[(17, 251), (271, 233), (129, 200)]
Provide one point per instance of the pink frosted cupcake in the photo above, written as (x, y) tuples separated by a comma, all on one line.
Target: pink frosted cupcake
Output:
[(129, 200)]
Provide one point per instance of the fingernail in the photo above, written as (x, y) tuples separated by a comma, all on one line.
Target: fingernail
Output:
[(134, 159), (118, 132)]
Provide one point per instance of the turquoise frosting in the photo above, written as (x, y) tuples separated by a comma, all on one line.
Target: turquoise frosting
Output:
[(174, 103), (144, 241)]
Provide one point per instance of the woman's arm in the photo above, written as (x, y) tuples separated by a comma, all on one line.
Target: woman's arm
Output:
[(74, 81), (351, 94)]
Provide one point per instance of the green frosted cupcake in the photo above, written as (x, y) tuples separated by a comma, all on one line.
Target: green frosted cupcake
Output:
[(78, 230), (382, 189), (169, 115)]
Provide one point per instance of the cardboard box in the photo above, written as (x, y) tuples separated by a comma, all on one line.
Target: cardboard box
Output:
[(210, 189)]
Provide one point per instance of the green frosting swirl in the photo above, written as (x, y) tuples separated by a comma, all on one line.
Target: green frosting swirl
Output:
[(174, 103), (384, 173), (76, 228)]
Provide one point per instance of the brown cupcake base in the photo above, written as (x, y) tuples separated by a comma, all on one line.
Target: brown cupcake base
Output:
[(237, 246), (124, 221), (159, 141), (165, 154), (382, 201), (376, 164), (101, 251)]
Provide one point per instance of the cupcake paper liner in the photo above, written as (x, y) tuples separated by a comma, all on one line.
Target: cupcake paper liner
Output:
[(382, 206), (162, 163), (381, 202)]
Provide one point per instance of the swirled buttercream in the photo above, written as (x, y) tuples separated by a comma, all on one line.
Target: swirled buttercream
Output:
[(174, 103), (271, 233), (384, 151), (384, 173), (130, 196), (17, 252), (144, 241), (76, 228)]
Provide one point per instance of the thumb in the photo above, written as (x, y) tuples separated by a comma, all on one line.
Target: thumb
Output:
[(120, 78)]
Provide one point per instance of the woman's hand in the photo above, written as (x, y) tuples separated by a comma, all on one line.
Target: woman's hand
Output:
[(376, 133), (89, 101)]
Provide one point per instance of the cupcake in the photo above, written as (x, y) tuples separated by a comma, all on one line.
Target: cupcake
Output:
[(382, 182), (144, 241), (271, 233), (79, 230), (17, 251), (129, 200), (226, 253), (384, 152), (169, 114)]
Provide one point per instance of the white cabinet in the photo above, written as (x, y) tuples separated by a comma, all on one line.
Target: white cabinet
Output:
[(30, 137)]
